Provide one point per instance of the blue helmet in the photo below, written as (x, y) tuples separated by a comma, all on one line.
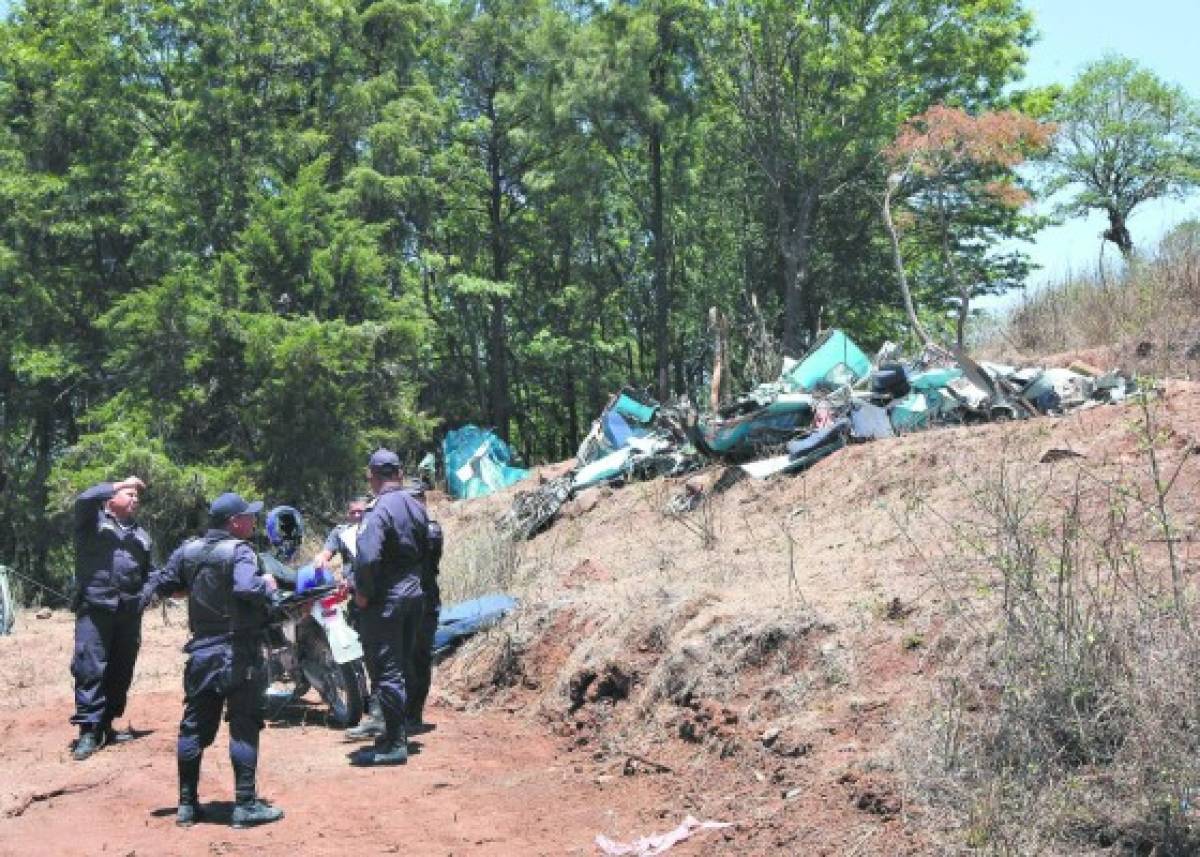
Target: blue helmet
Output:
[(285, 530)]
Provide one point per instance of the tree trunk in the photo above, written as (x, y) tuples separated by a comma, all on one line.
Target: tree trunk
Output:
[(662, 296), (39, 492), (719, 391), (1118, 233), (898, 259), (498, 395), (964, 309), (572, 405), (795, 245)]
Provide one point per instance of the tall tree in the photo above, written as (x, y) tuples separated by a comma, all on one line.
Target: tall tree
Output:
[(1126, 137), (499, 86), (636, 83), (822, 85), (956, 173), (68, 137)]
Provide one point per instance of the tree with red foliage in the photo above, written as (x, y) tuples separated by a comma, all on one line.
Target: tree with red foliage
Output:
[(956, 174)]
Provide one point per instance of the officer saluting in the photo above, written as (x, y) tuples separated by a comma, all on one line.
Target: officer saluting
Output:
[(228, 598), (112, 563), (392, 545)]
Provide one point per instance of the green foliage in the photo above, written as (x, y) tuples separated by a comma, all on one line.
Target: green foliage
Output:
[(1127, 137), (820, 88), (242, 243)]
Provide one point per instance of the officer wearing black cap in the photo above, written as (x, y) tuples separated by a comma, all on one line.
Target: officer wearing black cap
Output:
[(228, 597), (431, 606), (392, 545), (112, 564)]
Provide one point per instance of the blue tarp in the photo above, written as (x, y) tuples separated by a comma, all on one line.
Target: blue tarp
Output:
[(459, 621), (478, 463)]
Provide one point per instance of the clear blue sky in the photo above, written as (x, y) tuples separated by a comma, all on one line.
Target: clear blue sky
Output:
[(1161, 35)]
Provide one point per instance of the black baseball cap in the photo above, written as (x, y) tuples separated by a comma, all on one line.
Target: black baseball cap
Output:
[(229, 504)]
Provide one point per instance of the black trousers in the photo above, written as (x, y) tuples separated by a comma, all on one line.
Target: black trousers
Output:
[(106, 649), (422, 662), (389, 635), (225, 677)]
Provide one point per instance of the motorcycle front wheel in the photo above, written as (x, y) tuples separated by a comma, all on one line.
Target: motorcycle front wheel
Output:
[(340, 685)]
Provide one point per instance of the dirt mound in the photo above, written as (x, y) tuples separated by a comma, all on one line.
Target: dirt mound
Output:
[(764, 659), (769, 650)]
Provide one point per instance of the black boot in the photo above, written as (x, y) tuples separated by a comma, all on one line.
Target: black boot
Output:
[(391, 749), (90, 740), (249, 810), (189, 811), (368, 727), (114, 736)]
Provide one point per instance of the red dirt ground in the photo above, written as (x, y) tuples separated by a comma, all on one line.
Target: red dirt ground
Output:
[(481, 783), (812, 627)]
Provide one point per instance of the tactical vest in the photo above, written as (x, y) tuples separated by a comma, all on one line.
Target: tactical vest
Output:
[(207, 572)]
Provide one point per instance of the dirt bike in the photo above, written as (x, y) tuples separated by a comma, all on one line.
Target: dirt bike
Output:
[(311, 645)]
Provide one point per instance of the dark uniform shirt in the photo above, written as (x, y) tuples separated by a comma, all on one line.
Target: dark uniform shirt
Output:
[(392, 545), (112, 559), (227, 595)]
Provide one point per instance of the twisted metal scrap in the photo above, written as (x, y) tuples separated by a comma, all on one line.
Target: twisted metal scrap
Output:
[(532, 511)]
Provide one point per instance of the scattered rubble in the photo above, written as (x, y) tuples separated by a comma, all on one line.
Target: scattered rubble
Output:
[(831, 398)]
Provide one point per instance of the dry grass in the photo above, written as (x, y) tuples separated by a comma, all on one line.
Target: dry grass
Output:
[(790, 643), (480, 561), (1149, 314), (1067, 720)]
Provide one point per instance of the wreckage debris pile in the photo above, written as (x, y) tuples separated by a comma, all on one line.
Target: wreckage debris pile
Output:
[(833, 396)]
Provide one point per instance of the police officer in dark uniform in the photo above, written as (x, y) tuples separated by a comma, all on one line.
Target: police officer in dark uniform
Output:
[(228, 597), (112, 564), (392, 546), (422, 658)]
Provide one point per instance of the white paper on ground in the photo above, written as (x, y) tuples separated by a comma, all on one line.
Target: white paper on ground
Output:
[(658, 843)]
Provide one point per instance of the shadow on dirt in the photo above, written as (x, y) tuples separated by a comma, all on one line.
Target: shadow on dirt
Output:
[(299, 713), (211, 812)]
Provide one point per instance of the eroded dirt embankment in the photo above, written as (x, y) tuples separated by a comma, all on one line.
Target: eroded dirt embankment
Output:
[(764, 659), (774, 654)]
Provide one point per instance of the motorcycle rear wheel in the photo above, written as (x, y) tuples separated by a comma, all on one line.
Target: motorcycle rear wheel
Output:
[(340, 687)]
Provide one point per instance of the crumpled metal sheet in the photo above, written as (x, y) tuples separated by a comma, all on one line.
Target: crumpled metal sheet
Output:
[(532, 511)]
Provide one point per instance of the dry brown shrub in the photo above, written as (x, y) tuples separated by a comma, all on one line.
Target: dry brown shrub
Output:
[(1072, 723), (1151, 312), (477, 562)]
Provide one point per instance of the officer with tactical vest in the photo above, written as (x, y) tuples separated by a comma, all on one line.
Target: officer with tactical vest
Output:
[(112, 564), (392, 545), (228, 600)]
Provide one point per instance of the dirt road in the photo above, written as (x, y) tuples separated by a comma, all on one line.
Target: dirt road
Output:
[(480, 783)]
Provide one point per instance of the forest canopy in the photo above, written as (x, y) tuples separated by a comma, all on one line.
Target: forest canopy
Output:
[(241, 243)]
